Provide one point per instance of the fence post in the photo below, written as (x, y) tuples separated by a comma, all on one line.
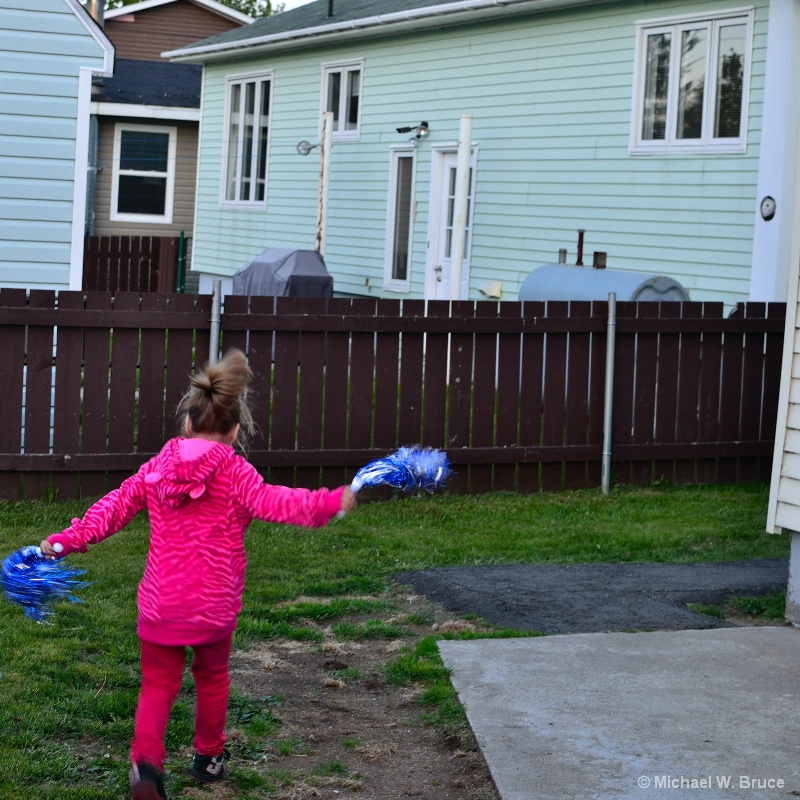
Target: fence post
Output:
[(608, 407), (213, 345)]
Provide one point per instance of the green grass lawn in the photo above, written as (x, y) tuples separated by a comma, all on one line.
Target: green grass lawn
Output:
[(69, 688)]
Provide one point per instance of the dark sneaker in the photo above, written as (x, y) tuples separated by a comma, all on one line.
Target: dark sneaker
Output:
[(209, 768), (147, 783)]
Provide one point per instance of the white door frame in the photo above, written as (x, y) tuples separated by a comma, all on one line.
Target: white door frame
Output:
[(437, 218)]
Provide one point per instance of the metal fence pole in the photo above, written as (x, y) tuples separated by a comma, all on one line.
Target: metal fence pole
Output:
[(216, 303), (608, 408)]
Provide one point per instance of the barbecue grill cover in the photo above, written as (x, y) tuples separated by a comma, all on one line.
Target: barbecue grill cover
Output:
[(285, 272)]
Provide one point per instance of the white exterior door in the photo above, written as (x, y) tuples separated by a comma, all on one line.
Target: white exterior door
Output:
[(443, 183)]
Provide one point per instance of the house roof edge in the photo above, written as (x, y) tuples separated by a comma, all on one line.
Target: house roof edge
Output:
[(433, 15)]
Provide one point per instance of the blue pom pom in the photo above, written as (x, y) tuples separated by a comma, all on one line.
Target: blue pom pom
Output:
[(33, 581), (409, 469)]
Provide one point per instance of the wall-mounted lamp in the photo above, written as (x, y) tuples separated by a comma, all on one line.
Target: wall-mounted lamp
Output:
[(304, 147), (421, 129)]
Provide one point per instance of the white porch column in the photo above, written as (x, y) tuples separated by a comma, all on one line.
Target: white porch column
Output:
[(773, 245)]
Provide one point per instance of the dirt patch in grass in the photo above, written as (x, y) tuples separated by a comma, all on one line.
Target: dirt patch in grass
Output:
[(333, 726)]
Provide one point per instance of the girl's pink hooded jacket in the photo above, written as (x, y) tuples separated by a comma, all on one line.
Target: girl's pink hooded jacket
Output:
[(201, 497)]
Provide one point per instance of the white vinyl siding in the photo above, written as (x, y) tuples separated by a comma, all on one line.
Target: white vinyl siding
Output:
[(143, 185), (692, 85), (400, 220), (550, 96)]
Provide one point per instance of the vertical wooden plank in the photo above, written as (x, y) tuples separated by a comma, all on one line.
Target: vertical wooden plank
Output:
[(259, 349), (39, 393), (731, 391), (509, 349), (310, 394), (152, 379), (667, 380), (484, 394), (284, 392), (337, 367), (597, 398), (624, 389), (202, 336), (179, 364), (554, 391), (752, 392), (708, 429), (234, 305), (122, 396), (165, 276), (688, 408), (531, 399), (434, 397), (361, 404), (387, 381), (69, 375), (94, 432), (116, 271), (459, 392), (578, 387), (12, 365), (644, 404), (409, 425)]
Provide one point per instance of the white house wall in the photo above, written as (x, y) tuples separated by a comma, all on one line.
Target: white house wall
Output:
[(43, 48), (550, 97)]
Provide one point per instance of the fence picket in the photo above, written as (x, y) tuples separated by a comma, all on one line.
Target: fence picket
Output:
[(12, 365)]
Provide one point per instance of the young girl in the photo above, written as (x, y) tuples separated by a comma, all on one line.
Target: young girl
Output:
[(201, 496)]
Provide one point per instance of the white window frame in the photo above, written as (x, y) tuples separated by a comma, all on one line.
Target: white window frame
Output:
[(344, 67), (250, 204), (707, 143), (390, 283), (169, 189)]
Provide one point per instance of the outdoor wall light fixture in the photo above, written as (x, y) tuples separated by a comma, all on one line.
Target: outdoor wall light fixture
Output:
[(304, 147), (421, 129)]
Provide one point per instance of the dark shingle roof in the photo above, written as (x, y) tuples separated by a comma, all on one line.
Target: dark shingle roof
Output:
[(313, 15), (156, 83)]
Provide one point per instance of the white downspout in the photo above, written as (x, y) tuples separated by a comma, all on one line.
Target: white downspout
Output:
[(460, 206), (324, 180)]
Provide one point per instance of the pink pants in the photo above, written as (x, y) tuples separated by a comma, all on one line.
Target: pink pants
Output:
[(162, 672)]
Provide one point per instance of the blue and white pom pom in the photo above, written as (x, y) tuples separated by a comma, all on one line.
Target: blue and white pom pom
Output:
[(33, 581), (409, 469)]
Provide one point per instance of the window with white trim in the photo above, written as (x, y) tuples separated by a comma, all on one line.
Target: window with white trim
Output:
[(246, 140), (692, 76), (400, 218), (342, 96), (143, 180)]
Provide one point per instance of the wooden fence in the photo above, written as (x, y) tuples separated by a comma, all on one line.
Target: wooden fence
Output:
[(513, 392), (130, 263)]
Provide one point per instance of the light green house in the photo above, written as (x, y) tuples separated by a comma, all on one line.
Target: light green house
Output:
[(657, 126), (49, 52)]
